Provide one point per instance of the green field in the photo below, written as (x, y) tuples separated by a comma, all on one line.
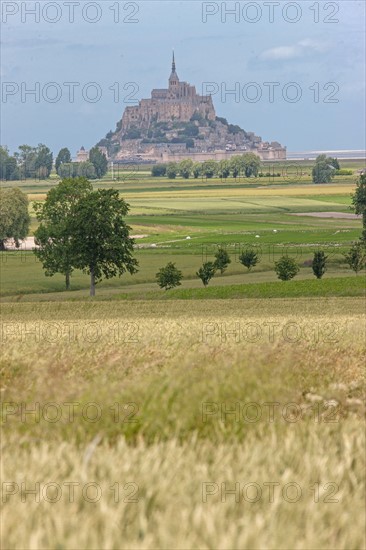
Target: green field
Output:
[(228, 417)]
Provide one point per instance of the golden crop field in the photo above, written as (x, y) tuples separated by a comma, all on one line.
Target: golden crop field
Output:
[(200, 424)]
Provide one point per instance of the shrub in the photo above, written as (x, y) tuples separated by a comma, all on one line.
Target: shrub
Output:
[(286, 268)]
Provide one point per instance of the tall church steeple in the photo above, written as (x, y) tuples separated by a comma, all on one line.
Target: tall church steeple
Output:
[(173, 64), (173, 79)]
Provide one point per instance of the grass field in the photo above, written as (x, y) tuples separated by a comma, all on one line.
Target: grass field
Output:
[(227, 417)]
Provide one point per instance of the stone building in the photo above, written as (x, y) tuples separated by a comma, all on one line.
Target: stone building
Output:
[(179, 101), (82, 155), (175, 123)]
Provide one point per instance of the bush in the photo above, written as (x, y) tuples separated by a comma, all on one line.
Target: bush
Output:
[(344, 172), (286, 268)]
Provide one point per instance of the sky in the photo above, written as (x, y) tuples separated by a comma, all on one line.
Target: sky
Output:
[(295, 70)]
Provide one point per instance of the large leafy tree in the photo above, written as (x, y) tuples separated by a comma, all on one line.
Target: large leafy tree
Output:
[(185, 168), (208, 168), (63, 157), (99, 160), (43, 161), (26, 158), (324, 169), (250, 164), (53, 235), (236, 166), (8, 166), (14, 216), (100, 238), (359, 203)]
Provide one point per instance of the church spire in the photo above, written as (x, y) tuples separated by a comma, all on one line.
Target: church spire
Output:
[(173, 79)]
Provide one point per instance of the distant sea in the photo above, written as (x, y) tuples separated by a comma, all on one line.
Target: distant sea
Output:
[(340, 154)]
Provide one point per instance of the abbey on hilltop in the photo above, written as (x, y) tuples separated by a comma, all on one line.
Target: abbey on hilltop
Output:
[(177, 123)]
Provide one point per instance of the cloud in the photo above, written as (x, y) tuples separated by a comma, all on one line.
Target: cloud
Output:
[(295, 51)]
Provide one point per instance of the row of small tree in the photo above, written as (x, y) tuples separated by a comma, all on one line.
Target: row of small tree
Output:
[(246, 165), (286, 267)]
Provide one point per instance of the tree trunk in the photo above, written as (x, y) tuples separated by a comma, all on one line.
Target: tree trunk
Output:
[(67, 280), (92, 282)]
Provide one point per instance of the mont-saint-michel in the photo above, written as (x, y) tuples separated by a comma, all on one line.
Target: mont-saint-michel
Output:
[(175, 123)]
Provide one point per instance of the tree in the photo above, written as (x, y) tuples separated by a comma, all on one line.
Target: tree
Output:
[(99, 160), (356, 257), (100, 238), (223, 170), (286, 268), (249, 258), (324, 170), (169, 276), (222, 260), (185, 168), (172, 170), (158, 170), (68, 170), (206, 272), (27, 160), (208, 168), (8, 166), (86, 170), (359, 203), (250, 164), (43, 161), (235, 166), (14, 216), (63, 157), (334, 162), (53, 235), (196, 170), (319, 264)]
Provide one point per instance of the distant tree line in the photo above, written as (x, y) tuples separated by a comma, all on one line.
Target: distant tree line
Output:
[(247, 165), (27, 162), (37, 163)]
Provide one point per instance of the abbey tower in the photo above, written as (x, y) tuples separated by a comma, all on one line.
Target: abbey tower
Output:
[(179, 101), (175, 123)]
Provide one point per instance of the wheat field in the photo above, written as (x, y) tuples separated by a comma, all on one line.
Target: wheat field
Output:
[(203, 424)]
